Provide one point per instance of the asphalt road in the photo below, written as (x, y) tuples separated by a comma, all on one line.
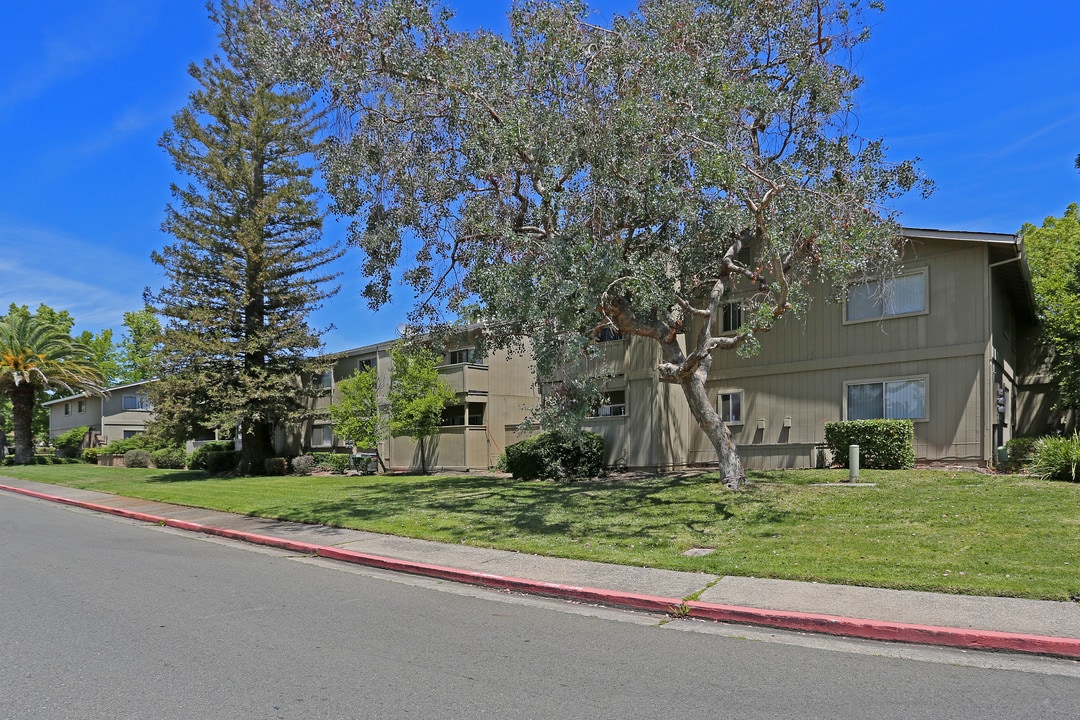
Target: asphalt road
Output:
[(106, 618)]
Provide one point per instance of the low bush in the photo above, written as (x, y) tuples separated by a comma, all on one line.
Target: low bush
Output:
[(169, 458), (275, 466), (1019, 449), (119, 447), (219, 462), (334, 462), (90, 455), (197, 461), (1056, 458), (137, 459), (883, 444), (556, 455), (303, 465)]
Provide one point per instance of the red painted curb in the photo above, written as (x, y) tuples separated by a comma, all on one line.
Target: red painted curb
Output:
[(785, 620)]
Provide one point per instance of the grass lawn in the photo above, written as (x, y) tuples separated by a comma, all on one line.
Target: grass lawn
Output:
[(946, 531)]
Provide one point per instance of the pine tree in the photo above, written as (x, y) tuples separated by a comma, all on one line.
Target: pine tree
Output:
[(247, 267)]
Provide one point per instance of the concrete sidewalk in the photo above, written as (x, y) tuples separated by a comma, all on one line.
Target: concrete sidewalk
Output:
[(1030, 626)]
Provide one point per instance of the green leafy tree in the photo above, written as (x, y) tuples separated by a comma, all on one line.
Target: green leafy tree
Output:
[(247, 267), (1054, 256), (103, 354), (417, 394), (568, 177), (140, 347), (355, 414), (35, 355)]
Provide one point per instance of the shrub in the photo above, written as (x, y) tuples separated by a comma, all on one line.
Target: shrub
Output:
[(1056, 458), (275, 465), (334, 462), (303, 465), (197, 461), (119, 447), (222, 461), (169, 458), (90, 455), (1020, 449), (883, 444), (69, 443), (557, 455), (137, 459)]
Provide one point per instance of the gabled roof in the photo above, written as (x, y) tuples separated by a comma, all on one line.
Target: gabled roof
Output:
[(83, 395)]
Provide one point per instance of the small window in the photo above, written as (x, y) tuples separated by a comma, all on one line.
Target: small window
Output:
[(465, 355), (365, 364), (67, 408), (608, 334), (324, 380), (729, 405), (731, 318), (613, 404), (892, 297), (81, 407), (136, 402), (887, 399), (128, 434)]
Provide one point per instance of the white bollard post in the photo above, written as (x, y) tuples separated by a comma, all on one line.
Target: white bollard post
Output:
[(853, 463)]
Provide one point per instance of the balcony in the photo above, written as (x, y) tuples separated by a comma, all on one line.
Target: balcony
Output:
[(466, 378)]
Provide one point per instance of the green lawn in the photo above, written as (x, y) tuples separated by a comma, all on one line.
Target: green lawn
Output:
[(959, 532)]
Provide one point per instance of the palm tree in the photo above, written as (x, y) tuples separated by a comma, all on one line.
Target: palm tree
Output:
[(36, 355)]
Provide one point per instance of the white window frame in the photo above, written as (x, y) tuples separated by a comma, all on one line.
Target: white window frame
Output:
[(67, 408), (924, 379), (881, 293), (730, 311), (732, 392), (324, 380)]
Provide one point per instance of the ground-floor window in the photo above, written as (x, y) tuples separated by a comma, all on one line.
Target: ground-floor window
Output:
[(729, 404), (896, 399), (322, 436)]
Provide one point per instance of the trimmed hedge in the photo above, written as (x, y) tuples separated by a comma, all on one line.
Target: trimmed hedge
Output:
[(335, 462), (219, 462), (556, 455), (169, 458), (137, 459), (883, 444), (197, 461)]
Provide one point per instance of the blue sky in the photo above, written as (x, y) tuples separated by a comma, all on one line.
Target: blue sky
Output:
[(986, 92)]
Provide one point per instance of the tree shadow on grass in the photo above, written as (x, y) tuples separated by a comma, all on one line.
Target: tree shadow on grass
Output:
[(179, 476), (484, 507)]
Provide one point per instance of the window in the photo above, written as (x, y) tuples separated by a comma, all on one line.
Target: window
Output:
[(325, 379), (67, 408), (453, 415), (136, 402), (608, 334), (365, 364), (81, 407), (322, 436), (892, 297), (729, 405), (731, 317), (465, 355), (613, 405), (887, 399), (128, 434)]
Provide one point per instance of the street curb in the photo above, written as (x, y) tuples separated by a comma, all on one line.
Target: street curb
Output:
[(778, 619)]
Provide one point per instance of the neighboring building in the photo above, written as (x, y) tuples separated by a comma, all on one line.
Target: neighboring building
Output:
[(122, 413), (943, 343), (494, 394)]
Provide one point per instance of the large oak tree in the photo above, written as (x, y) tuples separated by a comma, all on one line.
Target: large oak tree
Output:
[(247, 267), (566, 176)]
